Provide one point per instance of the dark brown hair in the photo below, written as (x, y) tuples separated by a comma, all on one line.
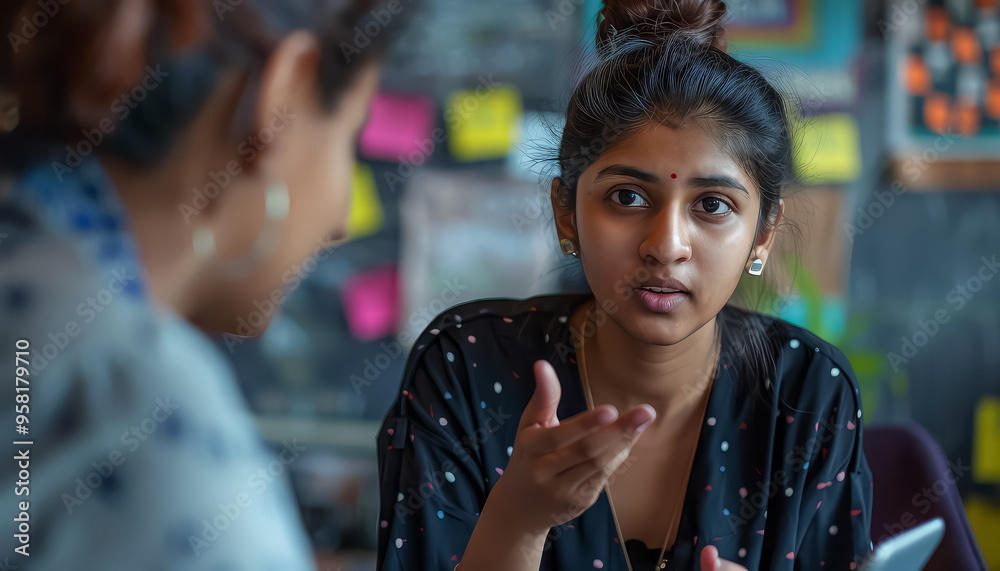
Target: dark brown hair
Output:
[(700, 21), (50, 51)]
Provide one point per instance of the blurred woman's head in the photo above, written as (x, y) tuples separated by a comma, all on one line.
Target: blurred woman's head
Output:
[(672, 164), (226, 126)]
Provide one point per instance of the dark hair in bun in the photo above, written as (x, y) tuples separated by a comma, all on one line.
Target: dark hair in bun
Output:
[(665, 61), (654, 19)]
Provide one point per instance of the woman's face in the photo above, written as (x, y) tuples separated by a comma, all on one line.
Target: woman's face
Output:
[(665, 210), (315, 159)]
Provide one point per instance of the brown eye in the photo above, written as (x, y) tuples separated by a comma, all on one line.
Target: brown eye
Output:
[(627, 197), (714, 205)]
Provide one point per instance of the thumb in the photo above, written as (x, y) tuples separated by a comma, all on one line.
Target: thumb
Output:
[(709, 558), (544, 402)]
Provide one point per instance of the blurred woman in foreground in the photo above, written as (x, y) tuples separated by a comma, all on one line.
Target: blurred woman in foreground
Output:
[(168, 166)]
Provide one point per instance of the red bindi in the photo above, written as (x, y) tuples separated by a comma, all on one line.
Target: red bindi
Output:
[(673, 175)]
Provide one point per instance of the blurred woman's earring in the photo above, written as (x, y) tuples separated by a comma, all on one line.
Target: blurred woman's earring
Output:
[(568, 248), (276, 207), (756, 267)]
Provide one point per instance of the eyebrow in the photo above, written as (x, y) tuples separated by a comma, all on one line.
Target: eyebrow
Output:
[(646, 176), (717, 180), (622, 170)]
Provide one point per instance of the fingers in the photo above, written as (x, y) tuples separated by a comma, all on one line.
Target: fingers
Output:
[(544, 402), (598, 446), (589, 476), (710, 561), (573, 428), (590, 462)]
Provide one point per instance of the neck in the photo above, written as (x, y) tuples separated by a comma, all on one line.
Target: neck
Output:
[(158, 228), (674, 379), (153, 198)]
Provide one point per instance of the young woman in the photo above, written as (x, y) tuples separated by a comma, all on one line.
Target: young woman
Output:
[(174, 163), (645, 424)]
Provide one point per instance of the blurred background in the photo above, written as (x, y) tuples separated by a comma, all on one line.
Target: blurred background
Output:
[(898, 147)]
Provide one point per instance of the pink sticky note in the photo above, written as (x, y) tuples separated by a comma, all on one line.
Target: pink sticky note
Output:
[(371, 301), (397, 126)]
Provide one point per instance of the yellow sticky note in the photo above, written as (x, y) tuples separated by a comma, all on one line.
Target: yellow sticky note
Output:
[(984, 516), (827, 149), (483, 123), (367, 216), (986, 442)]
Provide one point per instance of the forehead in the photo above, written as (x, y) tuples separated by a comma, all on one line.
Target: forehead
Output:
[(686, 151)]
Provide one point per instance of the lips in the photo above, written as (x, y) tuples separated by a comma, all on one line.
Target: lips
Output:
[(664, 285), (662, 290)]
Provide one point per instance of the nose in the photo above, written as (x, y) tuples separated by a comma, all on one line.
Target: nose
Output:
[(668, 236)]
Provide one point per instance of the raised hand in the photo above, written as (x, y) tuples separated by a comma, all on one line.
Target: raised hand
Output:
[(558, 468)]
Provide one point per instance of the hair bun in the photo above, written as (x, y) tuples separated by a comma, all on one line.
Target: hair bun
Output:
[(697, 20)]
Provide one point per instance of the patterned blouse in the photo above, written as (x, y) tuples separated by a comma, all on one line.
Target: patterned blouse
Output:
[(781, 485), (141, 453)]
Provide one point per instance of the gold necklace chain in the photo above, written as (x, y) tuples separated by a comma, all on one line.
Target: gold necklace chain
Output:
[(581, 365)]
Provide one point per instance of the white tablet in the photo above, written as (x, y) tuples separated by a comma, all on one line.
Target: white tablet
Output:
[(908, 551)]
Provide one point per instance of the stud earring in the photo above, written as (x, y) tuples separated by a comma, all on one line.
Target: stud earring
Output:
[(756, 267), (568, 248)]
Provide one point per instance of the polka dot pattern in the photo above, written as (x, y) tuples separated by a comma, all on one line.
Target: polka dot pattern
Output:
[(741, 449)]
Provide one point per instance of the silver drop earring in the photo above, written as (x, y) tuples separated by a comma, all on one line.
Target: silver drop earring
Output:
[(276, 206), (756, 267)]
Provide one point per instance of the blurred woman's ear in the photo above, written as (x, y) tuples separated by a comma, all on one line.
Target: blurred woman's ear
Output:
[(288, 84)]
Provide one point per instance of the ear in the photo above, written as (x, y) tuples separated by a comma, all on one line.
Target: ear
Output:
[(765, 241), (565, 214), (287, 88)]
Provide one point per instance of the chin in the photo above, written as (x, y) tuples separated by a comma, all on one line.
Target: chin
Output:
[(249, 321), (655, 328)]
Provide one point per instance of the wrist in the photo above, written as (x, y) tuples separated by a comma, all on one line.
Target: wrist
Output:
[(505, 509)]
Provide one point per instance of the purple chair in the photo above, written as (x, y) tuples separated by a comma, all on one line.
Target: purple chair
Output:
[(914, 483)]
